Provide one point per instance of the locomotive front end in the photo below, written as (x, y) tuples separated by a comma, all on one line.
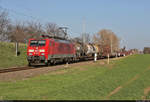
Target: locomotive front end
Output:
[(36, 52)]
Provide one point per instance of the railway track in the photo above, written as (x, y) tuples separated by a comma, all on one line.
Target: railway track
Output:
[(15, 69), (6, 70), (27, 68)]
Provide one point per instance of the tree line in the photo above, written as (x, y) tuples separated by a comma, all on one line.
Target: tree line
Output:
[(22, 31)]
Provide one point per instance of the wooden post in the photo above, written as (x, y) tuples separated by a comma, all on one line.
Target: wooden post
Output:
[(16, 45), (108, 59)]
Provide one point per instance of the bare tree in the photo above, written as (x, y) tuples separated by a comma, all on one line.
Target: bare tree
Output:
[(107, 38), (115, 41), (54, 30), (18, 33), (4, 23), (34, 29), (21, 31)]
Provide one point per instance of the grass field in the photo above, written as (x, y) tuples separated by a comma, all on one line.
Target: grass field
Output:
[(124, 79), (8, 57)]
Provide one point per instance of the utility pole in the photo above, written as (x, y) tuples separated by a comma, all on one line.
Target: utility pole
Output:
[(83, 31), (83, 34), (111, 42)]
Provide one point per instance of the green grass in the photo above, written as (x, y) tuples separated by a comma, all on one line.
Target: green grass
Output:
[(8, 57), (92, 82)]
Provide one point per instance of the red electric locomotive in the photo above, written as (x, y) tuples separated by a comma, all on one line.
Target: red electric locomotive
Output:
[(49, 50)]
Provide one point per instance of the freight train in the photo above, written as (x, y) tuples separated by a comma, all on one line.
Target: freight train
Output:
[(50, 50)]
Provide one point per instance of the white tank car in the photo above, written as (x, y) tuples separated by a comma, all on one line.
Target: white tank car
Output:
[(89, 49)]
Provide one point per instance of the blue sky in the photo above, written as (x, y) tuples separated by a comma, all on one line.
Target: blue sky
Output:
[(129, 19)]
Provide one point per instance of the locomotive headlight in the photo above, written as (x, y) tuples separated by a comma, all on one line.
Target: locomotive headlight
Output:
[(30, 53), (43, 54), (30, 50), (42, 50)]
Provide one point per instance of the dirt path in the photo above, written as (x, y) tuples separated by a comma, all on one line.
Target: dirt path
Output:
[(146, 91), (113, 92)]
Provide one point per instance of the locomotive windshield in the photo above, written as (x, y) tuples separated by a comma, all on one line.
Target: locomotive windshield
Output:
[(41, 42), (37, 43)]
